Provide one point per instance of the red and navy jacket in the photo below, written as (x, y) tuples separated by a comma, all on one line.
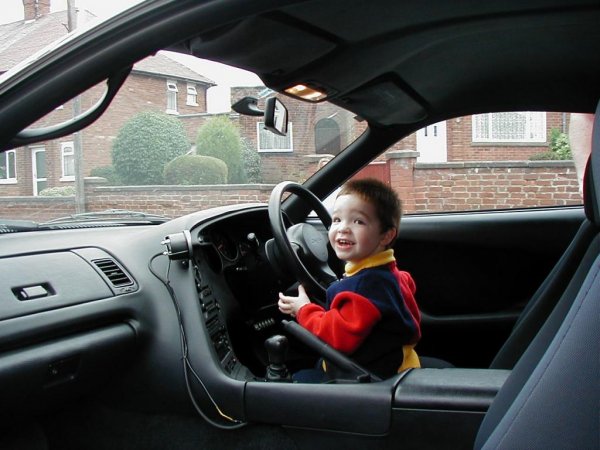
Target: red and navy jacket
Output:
[(371, 315)]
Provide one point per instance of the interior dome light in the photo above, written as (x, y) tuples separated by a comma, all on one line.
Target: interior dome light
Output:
[(306, 93)]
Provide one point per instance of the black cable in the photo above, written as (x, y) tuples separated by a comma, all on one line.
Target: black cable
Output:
[(187, 365)]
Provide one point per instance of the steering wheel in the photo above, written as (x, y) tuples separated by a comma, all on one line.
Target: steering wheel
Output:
[(301, 248)]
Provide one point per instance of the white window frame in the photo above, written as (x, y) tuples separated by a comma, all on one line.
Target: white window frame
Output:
[(172, 97), (67, 150), (534, 132), (263, 134), (6, 157), (192, 95)]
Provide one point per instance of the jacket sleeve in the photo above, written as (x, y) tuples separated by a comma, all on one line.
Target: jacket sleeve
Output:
[(345, 325), (408, 289)]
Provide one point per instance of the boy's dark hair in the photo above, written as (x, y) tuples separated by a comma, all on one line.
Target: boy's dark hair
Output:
[(388, 205)]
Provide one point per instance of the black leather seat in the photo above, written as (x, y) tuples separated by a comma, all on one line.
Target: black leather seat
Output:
[(551, 398)]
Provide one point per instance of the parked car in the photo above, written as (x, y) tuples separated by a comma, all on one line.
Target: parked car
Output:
[(141, 312)]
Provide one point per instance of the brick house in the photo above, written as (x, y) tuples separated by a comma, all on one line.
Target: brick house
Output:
[(156, 83), (509, 136)]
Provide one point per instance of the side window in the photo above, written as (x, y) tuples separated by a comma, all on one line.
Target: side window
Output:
[(8, 170), (270, 142), (172, 97), (490, 161), (192, 95), (67, 161)]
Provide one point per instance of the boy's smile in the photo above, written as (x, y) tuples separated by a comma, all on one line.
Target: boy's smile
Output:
[(355, 232)]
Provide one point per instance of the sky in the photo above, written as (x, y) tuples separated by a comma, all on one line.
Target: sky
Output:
[(218, 97)]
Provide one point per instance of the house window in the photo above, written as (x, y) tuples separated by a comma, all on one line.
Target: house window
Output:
[(8, 167), (271, 142), (192, 95), (512, 127), (68, 161), (172, 97)]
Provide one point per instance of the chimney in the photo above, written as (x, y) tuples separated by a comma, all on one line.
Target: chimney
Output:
[(34, 9)]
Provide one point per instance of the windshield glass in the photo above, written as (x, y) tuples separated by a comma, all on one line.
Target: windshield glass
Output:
[(171, 132), (171, 144)]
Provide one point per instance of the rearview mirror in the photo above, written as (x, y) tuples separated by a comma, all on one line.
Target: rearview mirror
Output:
[(276, 116)]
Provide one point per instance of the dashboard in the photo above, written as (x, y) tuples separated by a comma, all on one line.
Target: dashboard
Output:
[(85, 303), (111, 313)]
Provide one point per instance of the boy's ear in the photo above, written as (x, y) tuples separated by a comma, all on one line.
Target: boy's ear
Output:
[(388, 236)]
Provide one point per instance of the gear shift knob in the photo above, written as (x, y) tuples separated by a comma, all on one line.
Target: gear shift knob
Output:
[(277, 349)]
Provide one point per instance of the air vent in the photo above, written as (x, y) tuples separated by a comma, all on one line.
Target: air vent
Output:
[(113, 272)]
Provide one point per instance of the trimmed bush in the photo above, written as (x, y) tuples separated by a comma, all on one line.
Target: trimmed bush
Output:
[(545, 156), (220, 138), (195, 169), (106, 172), (62, 191), (145, 144)]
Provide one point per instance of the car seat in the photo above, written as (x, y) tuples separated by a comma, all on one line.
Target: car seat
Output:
[(551, 397)]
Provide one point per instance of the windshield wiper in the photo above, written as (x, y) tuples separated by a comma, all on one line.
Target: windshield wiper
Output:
[(14, 226), (108, 215)]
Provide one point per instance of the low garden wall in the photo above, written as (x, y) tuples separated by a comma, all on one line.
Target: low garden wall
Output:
[(423, 187)]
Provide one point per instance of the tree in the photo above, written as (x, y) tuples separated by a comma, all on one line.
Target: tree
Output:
[(145, 144), (220, 138)]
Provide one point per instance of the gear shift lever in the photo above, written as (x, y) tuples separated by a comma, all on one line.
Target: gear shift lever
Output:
[(277, 349)]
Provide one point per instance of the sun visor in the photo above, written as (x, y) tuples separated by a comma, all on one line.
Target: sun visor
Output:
[(253, 45), (385, 103)]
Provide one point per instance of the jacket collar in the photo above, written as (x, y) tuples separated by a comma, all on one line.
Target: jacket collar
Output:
[(379, 259)]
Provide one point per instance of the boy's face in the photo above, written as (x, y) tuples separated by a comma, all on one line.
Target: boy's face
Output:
[(355, 232)]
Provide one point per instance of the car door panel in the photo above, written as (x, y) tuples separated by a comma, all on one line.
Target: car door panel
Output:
[(476, 271)]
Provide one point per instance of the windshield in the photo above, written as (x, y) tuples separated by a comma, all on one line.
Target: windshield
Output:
[(171, 132), (171, 144)]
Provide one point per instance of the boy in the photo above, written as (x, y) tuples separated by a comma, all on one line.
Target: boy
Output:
[(371, 313)]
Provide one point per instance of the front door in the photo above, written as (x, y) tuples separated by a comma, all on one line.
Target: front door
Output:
[(431, 143), (38, 166)]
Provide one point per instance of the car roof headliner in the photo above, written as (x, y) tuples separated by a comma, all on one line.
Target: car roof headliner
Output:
[(406, 62), (400, 65)]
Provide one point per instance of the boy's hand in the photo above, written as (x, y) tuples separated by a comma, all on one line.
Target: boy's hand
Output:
[(291, 305)]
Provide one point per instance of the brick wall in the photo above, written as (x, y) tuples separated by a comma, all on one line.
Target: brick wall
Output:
[(423, 187), (172, 201), (38, 209), (456, 186)]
